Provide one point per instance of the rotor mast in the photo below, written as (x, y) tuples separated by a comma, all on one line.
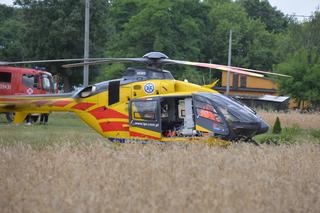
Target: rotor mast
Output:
[(86, 44)]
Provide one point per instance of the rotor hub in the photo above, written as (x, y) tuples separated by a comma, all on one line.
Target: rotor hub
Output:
[(155, 56), (154, 59)]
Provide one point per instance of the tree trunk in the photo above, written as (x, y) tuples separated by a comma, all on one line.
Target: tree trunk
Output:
[(66, 83)]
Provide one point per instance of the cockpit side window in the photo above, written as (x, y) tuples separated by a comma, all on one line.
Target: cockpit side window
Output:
[(168, 75), (232, 110), (206, 110), (155, 75), (208, 115), (130, 73)]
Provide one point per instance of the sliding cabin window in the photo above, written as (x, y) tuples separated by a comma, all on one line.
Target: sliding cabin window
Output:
[(144, 110)]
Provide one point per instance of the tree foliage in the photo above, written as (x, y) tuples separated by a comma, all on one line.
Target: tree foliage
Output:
[(11, 31), (304, 67), (263, 37), (55, 29), (274, 20), (302, 62)]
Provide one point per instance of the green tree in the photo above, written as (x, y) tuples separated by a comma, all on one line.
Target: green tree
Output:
[(55, 29), (193, 30), (252, 44), (298, 36), (299, 49), (304, 67), (6, 12), (274, 20), (173, 27), (11, 31), (176, 28)]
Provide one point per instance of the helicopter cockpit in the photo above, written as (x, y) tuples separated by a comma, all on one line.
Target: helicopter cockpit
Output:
[(142, 74), (195, 115), (131, 75)]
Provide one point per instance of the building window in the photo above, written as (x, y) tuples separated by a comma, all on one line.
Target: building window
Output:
[(243, 81), (235, 82), (5, 77)]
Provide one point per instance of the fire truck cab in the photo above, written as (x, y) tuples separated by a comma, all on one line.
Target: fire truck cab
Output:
[(24, 81)]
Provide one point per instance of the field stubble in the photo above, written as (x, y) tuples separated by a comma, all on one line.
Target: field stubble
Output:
[(292, 118), (71, 169), (158, 178)]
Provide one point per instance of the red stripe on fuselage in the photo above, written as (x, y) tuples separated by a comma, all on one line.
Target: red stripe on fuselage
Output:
[(114, 126), (103, 113), (82, 106)]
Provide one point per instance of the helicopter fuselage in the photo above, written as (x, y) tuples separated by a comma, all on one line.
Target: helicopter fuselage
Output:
[(150, 105)]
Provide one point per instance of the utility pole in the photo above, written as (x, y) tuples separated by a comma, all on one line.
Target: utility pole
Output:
[(86, 44), (229, 62), (210, 72)]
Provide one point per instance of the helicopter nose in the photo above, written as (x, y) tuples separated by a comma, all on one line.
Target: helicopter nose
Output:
[(263, 127), (248, 130)]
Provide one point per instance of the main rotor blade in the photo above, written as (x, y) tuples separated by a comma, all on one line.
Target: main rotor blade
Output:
[(108, 60), (264, 72), (213, 66), (3, 63)]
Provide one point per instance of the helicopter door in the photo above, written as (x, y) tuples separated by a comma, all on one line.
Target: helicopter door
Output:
[(145, 119), (207, 118)]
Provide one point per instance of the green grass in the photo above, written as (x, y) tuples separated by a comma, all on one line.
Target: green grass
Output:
[(290, 135), (62, 128), (68, 128)]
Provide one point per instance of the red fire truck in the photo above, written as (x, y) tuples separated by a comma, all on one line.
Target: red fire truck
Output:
[(24, 81)]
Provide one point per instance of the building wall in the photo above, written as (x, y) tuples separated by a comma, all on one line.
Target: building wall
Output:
[(255, 87), (251, 82)]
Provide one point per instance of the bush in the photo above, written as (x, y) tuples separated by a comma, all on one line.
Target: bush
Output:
[(277, 127)]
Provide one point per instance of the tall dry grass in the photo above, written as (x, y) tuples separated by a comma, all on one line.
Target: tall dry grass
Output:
[(292, 118), (158, 178)]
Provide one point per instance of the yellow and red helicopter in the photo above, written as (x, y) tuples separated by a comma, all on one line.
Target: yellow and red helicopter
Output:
[(149, 104)]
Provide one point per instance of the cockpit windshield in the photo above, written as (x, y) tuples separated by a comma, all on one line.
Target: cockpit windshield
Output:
[(232, 110)]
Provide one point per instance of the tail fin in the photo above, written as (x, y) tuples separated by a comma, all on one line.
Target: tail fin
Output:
[(210, 86)]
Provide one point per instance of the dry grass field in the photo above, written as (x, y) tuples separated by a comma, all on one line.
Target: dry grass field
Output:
[(294, 118), (58, 168)]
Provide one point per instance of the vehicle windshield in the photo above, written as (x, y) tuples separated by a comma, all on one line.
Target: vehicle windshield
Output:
[(28, 80)]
